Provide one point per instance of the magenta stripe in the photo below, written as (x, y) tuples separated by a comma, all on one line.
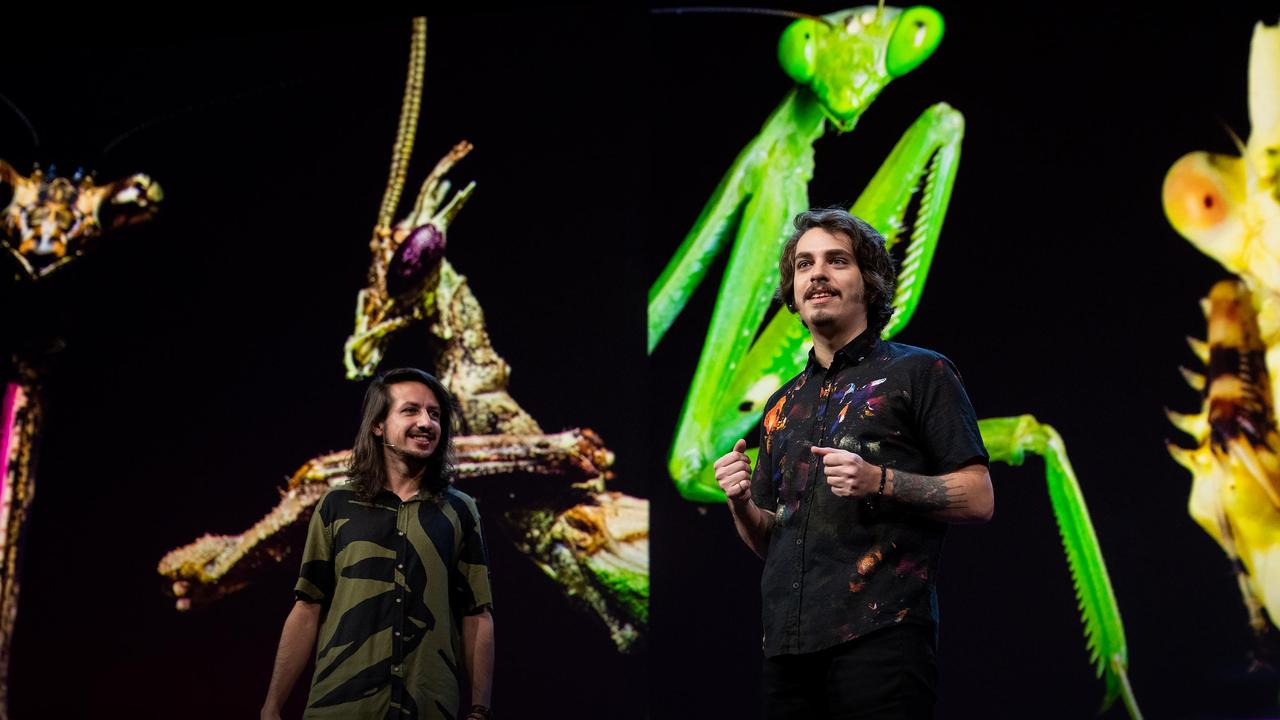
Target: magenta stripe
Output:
[(9, 416)]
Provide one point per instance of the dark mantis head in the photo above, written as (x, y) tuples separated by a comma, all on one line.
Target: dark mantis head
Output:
[(846, 58), (405, 274), (52, 220)]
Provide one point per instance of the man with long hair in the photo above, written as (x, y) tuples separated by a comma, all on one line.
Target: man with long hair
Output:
[(864, 457), (394, 579)]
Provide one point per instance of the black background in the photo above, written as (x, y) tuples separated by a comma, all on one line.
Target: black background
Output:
[(204, 350), (1059, 289)]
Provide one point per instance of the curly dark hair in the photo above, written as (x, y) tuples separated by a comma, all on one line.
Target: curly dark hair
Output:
[(368, 468), (868, 247)]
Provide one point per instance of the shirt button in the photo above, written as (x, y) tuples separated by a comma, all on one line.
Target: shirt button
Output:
[(399, 566), (799, 541), (395, 668), (397, 599), (400, 533), (397, 633), (795, 585)]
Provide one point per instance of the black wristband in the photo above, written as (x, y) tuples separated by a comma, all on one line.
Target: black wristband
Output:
[(873, 500)]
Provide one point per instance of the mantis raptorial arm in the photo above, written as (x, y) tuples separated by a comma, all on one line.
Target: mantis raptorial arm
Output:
[(726, 399), (927, 157), (790, 131), (214, 566), (1008, 440)]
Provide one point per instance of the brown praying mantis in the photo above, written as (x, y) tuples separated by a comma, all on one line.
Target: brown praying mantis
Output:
[(49, 222), (550, 488)]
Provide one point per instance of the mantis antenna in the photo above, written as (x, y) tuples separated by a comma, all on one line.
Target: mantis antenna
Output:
[(35, 138), (409, 111), (1235, 139), (743, 11), (189, 110)]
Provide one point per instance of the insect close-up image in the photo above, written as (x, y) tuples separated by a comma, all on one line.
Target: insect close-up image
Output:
[(986, 191), (679, 361), (206, 274)]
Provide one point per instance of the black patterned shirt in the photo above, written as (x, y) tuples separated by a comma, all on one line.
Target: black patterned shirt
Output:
[(395, 578), (837, 568)]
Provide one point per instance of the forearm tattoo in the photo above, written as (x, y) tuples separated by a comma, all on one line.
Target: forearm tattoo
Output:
[(928, 494)]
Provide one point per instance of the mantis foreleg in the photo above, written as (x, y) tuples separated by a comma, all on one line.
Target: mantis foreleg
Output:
[(726, 398), (1008, 440)]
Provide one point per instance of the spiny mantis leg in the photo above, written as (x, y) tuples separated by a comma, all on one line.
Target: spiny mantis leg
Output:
[(925, 160), (217, 565), (717, 412), (1008, 440)]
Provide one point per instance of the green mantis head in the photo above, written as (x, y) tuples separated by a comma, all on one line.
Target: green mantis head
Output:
[(847, 57)]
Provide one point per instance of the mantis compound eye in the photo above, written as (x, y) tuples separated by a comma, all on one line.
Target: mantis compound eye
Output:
[(797, 50), (916, 36), (414, 258), (1202, 196)]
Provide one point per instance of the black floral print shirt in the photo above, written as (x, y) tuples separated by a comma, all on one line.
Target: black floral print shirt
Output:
[(837, 567)]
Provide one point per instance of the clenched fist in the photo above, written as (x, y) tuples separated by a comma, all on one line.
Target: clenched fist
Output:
[(847, 473), (733, 472)]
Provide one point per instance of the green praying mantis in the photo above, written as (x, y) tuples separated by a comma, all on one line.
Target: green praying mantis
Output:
[(840, 62)]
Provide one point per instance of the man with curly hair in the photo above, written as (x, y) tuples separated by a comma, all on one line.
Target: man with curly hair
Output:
[(864, 458), (394, 580)]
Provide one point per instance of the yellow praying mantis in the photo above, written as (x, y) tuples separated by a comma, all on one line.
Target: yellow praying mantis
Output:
[(1229, 208)]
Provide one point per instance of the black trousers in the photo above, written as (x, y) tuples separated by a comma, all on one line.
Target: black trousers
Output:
[(890, 673)]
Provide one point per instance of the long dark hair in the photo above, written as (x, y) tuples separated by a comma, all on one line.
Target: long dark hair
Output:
[(878, 276), (368, 469)]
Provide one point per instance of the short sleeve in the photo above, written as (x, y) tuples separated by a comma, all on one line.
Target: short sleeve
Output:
[(316, 578), (471, 587), (763, 491), (946, 419)]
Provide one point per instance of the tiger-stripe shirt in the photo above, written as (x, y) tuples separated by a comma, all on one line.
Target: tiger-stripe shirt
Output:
[(395, 578)]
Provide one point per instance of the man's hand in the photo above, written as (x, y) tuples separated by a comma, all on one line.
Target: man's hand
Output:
[(847, 473), (733, 472), (296, 641)]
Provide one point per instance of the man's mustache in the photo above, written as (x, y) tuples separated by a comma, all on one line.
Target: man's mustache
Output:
[(818, 287)]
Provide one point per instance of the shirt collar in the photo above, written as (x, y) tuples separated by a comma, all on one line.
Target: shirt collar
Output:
[(422, 494), (854, 352)]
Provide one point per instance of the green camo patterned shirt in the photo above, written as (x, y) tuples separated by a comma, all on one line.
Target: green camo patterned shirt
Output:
[(395, 579)]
